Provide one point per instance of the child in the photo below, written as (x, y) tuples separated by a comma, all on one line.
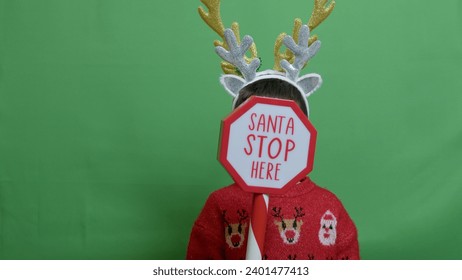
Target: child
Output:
[(306, 221)]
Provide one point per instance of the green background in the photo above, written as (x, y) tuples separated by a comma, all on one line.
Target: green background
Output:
[(110, 113)]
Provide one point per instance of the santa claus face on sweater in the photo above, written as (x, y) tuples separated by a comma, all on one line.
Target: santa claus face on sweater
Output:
[(328, 231)]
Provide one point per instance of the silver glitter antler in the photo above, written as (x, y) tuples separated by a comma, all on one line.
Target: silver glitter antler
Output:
[(321, 10), (236, 54), (302, 52)]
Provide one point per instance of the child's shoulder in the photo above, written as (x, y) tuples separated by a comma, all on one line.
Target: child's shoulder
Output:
[(322, 195), (230, 194), (307, 188), (230, 189), (329, 200), (324, 192)]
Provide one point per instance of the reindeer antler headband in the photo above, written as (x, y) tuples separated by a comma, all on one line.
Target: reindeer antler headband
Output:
[(241, 70)]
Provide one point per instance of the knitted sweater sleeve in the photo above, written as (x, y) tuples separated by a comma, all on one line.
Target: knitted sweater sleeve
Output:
[(348, 247), (207, 239)]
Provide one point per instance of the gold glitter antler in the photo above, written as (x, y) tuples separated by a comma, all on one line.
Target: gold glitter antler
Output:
[(319, 14), (213, 19)]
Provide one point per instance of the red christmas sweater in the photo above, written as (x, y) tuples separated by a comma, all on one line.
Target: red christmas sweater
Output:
[(306, 222)]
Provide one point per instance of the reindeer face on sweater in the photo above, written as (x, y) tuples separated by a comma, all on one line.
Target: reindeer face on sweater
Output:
[(328, 229), (235, 232), (289, 229)]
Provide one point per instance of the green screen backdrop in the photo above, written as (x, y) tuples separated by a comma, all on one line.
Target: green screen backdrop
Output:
[(110, 113)]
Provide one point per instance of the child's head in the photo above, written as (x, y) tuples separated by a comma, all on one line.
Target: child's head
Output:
[(274, 88)]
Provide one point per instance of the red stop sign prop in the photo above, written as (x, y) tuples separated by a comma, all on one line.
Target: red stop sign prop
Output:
[(267, 144)]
